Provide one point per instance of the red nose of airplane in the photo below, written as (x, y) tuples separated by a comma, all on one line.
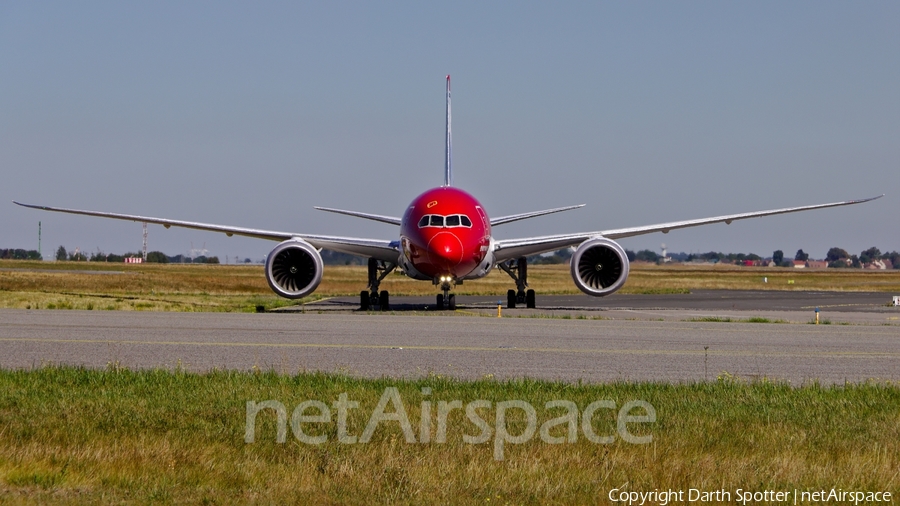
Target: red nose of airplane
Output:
[(445, 250)]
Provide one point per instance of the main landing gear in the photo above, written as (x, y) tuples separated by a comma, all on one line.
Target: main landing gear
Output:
[(449, 298), (518, 270), (378, 270)]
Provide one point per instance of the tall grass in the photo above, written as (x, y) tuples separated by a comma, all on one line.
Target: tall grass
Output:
[(75, 435)]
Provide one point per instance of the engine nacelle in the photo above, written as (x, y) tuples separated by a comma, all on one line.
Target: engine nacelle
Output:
[(599, 266), (294, 269)]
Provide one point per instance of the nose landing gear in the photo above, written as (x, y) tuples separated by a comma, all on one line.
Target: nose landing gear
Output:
[(378, 270), (518, 270), (449, 298)]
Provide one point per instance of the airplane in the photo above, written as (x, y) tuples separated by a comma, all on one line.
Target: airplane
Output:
[(446, 238)]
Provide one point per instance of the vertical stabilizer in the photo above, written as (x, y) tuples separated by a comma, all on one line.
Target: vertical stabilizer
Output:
[(448, 166)]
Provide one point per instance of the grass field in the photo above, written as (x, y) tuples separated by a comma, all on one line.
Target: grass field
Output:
[(71, 435), (186, 287)]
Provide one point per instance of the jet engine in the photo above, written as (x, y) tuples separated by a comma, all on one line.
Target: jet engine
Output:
[(599, 266), (294, 269)]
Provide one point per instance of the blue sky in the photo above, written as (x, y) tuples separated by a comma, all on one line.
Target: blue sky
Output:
[(251, 114)]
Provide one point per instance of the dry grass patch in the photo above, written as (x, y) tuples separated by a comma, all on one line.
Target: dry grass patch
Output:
[(200, 287), (730, 277)]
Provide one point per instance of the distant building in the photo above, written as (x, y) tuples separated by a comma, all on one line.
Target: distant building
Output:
[(816, 264), (800, 264)]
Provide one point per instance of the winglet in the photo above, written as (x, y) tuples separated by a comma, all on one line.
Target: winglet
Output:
[(448, 172)]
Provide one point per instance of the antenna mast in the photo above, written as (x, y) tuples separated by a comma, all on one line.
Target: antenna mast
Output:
[(145, 242)]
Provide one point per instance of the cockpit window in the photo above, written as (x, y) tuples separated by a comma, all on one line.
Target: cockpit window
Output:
[(454, 220), (459, 220)]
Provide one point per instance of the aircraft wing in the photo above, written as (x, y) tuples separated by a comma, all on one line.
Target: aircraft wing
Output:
[(375, 248), (514, 248)]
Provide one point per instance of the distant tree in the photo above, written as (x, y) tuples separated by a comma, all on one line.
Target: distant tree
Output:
[(337, 258), (62, 254), (786, 263), (115, 258), (211, 260), (646, 255), (557, 257), (565, 254), (630, 254), (894, 257), (801, 256), (854, 262), (835, 254), (778, 257), (157, 257), (78, 256), (711, 256), (870, 255), (19, 254)]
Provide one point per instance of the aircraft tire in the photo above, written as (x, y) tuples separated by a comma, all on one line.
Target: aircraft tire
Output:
[(440, 301), (364, 300), (384, 300), (451, 302), (511, 299), (529, 299)]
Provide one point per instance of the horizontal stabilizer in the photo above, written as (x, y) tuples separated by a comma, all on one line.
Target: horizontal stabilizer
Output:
[(524, 216), (374, 217)]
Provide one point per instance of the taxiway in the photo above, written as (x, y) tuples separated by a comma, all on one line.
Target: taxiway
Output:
[(565, 344)]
